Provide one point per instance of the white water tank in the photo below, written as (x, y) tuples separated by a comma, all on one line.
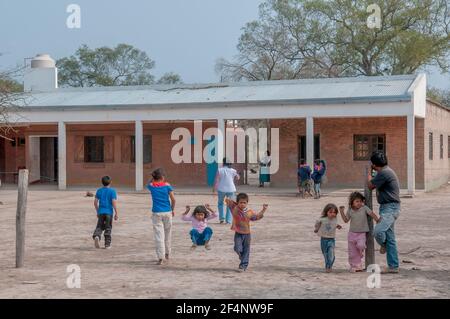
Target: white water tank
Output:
[(42, 61), (42, 75)]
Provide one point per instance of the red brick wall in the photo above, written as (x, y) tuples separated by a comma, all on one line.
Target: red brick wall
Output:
[(336, 139), (123, 174)]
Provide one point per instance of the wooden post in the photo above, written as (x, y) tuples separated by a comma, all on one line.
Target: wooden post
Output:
[(370, 244), (20, 216)]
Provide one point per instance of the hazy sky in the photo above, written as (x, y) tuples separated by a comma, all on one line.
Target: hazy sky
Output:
[(183, 36)]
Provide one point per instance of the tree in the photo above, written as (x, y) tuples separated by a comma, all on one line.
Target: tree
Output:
[(11, 97), (440, 96), (104, 66), (170, 78), (330, 38)]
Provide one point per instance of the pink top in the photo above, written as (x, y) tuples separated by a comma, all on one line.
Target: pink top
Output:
[(196, 224)]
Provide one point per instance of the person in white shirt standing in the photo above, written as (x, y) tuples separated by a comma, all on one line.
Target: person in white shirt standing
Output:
[(225, 187)]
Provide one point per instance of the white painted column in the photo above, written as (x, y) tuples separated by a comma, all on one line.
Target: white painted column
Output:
[(139, 155), (62, 158), (310, 141), (221, 134), (411, 149)]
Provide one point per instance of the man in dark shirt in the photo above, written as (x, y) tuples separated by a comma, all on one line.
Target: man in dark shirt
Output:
[(388, 196)]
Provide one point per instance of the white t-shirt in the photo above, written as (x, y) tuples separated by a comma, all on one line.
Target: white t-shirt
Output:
[(226, 179)]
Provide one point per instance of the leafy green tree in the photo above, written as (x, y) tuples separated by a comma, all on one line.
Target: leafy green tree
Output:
[(331, 38), (104, 66)]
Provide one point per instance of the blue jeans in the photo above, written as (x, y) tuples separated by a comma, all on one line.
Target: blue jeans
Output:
[(220, 205), (242, 248), (317, 188), (327, 245), (384, 232), (203, 238)]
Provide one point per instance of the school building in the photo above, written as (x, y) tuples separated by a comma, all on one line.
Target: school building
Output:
[(73, 136)]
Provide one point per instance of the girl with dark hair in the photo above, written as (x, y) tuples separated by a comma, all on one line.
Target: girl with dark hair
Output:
[(317, 176), (264, 169), (325, 227), (200, 234), (359, 227)]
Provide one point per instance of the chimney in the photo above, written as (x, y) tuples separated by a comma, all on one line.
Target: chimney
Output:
[(42, 76)]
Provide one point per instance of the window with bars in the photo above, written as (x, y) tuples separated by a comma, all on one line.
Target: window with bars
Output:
[(94, 149), (365, 145), (441, 146), (430, 146)]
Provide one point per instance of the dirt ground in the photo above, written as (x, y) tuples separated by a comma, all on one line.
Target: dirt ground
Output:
[(285, 261)]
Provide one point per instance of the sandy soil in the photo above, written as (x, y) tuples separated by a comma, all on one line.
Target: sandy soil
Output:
[(285, 262)]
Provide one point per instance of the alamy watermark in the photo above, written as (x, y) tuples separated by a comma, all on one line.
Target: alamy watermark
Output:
[(374, 279), (73, 21), (74, 278), (374, 19), (238, 145)]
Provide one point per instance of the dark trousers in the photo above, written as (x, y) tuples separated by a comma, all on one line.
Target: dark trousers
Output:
[(104, 224), (242, 248)]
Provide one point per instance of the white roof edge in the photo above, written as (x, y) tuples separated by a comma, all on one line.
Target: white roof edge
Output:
[(418, 79), (194, 86)]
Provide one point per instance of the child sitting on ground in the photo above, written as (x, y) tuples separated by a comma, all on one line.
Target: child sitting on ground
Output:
[(200, 233), (105, 204), (242, 216), (359, 227), (326, 228)]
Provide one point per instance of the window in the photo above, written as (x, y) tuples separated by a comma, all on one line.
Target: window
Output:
[(430, 146), (93, 149), (147, 149), (441, 146), (448, 146), (365, 145)]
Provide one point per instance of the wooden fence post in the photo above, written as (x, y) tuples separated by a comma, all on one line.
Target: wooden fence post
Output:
[(370, 243), (20, 216)]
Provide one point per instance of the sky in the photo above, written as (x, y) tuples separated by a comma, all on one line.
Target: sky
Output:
[(181, 36)]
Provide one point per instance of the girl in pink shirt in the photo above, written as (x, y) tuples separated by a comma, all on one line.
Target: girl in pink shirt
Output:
[(200, 234)]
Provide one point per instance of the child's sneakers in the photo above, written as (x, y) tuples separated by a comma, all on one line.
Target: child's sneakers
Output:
[(207, 246), (193, 247), (159, 262), (167, 257), (108, 247), (97, 242)]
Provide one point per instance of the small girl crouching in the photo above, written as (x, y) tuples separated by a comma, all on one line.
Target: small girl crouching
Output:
[(326, 228), (359, 227), (200, 234)]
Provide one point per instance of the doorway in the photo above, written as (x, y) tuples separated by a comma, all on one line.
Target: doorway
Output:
[(43, 159), (302, 148)]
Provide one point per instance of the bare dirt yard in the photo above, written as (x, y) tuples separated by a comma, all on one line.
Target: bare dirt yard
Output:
[(285, 261)]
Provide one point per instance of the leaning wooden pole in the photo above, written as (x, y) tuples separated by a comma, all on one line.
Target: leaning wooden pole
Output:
[(370, 243), (20, 217)]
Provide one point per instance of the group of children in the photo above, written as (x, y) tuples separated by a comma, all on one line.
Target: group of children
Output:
[(306, 177), (327, 224), (163, 201)]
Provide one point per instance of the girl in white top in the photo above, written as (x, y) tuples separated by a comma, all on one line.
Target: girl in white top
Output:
[(225, 187)]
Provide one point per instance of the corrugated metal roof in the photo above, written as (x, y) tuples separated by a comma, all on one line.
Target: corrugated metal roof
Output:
[(292, 91)]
